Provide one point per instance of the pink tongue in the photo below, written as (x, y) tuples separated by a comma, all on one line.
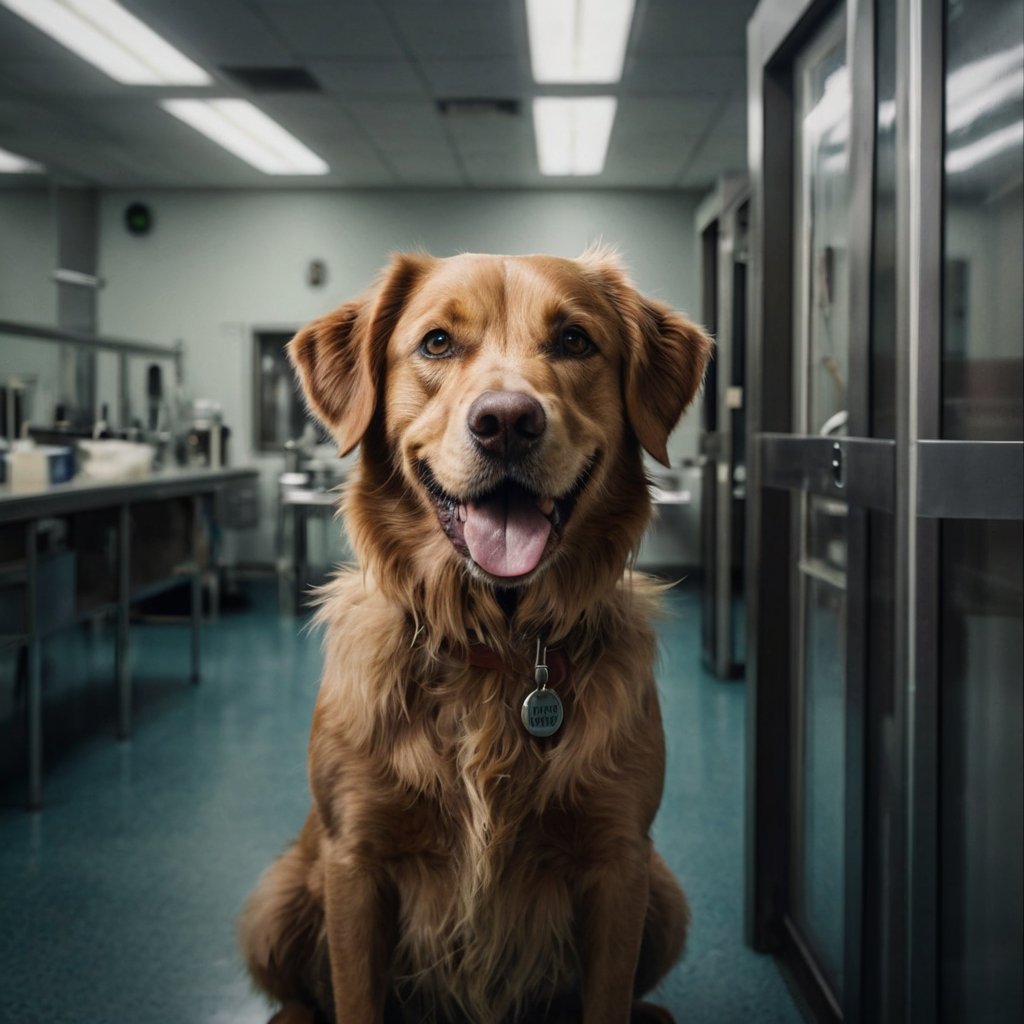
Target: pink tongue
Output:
[(506, 535)]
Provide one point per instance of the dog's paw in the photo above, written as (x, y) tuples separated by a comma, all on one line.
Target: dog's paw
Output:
[(650, 1013)]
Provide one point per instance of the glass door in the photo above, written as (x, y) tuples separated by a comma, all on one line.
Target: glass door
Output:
[(820, 492), (821, 368), (980, 784)]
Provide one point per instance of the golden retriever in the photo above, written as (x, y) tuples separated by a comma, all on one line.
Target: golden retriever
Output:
[(487, 753)]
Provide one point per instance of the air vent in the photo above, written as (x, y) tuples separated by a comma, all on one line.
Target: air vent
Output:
[(478, 107), (276, 79)]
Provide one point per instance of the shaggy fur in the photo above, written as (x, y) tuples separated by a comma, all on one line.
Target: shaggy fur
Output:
[(453, 867)]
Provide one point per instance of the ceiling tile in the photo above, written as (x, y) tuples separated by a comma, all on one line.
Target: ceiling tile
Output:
[(434, 29), (412, 120), (478, 78), (663, 116), (694, 75), (215, 32), (360, 78), (672, 29), (719, 154), (315, 28), (432, 165)]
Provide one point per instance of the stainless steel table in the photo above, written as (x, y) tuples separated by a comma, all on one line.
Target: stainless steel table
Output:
[(30, 506), (297, 503)]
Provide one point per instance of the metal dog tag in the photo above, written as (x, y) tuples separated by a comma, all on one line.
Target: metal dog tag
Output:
[(542, 710)]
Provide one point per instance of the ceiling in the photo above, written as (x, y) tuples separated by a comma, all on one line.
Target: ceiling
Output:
[(381, 66)]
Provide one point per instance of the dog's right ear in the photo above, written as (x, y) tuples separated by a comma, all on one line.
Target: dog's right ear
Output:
[(340, 357)]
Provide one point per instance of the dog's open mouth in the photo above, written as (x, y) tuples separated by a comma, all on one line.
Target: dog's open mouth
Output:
[(506, 530)]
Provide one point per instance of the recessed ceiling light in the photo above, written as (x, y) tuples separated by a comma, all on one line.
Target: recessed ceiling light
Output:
[(572, 134), (105, 34), (247, 132), (11, 163), (578, 40)]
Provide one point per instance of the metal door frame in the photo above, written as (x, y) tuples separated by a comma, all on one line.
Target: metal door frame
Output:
[(781, 465), (720, 212)]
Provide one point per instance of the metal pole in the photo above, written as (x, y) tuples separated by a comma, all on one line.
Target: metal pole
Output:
[(122, 655), (124, 402), (35, 680), (197, 581)]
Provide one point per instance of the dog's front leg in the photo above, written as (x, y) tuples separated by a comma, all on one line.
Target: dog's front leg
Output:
[(360, 918), (614, 910)]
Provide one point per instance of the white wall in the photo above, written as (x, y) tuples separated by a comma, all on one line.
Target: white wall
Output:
[(219, 265), (28, 258)]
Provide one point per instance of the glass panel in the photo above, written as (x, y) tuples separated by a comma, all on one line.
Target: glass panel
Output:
[(983, 353), (883, 255), (821, 368), (280, 411), (738, 429), (982, 773), (819, 883), (823, 133)]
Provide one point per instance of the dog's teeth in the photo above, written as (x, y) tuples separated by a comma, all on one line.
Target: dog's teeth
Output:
[(546, 505), (462, 513)]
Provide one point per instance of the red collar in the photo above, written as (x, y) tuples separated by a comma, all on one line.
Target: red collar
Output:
[(559, 667)]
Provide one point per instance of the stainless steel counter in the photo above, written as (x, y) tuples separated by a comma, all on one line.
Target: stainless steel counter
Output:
[(127, 502), (81, 494)]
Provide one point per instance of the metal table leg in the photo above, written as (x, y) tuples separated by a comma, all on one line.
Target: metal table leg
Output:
[(35, 678), (197, 581), (122, 649), (301, 555)]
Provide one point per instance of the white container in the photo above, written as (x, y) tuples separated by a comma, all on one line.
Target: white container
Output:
[(39, 465), (111, 460)]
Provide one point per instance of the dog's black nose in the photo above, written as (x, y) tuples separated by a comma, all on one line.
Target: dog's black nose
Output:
[(506, 423)]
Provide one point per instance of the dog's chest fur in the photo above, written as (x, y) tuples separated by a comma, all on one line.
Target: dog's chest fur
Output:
[(487, 909), (483, 830)]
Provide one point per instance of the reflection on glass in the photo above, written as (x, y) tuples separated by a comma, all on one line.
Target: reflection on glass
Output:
[(982, 773), (823, 741), (821, 346), (981, 937), (823, 136), (983, 352), (280, 413)]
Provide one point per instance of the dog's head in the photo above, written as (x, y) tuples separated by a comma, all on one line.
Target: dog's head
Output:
[(502, 402)]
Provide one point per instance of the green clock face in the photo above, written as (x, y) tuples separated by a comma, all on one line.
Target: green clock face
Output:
[(138, 218)]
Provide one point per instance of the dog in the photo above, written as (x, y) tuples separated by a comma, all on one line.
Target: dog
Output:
[(487, 754)]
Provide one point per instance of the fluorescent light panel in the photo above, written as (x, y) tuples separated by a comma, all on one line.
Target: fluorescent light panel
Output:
[(247, 132), (572, 134), (11, 163), (105, 34), (578, 41)]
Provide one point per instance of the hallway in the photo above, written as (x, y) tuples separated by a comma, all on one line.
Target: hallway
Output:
[(120, 896)]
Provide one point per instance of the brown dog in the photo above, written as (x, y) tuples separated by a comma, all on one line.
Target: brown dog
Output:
[(469, 858)]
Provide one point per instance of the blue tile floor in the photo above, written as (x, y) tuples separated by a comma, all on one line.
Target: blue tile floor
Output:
[(118, 900)]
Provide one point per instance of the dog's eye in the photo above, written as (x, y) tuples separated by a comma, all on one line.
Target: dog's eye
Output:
[(575, 343), (436, 345)]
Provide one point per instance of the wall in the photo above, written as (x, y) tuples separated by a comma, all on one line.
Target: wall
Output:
[(28, 258), (219, 265)]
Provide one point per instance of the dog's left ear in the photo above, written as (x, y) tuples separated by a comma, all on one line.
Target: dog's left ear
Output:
[(666, 356)]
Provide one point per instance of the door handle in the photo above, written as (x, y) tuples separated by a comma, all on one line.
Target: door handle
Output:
[(838, 469)]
